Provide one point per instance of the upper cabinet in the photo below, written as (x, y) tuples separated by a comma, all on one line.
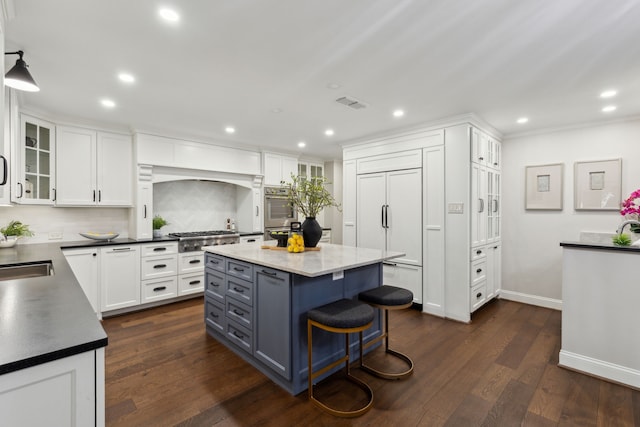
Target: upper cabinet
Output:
[(278, 168), (34, 162), (93, 168), (485, 149), (310, 170)]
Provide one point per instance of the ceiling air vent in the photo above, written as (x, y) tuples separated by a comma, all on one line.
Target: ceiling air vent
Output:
[(351, 102)]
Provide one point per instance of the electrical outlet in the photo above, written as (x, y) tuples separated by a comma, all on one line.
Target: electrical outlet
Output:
[(55, 235), (337, 275)]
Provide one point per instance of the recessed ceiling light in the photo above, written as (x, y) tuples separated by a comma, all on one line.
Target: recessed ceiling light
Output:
[(276, 110), (127, 78), (608, 93), (302, 144), (609, 108), (329, 132), (333, 86), (230, 129), (522, 120), (398, 113), (169, 15), (107, 103)]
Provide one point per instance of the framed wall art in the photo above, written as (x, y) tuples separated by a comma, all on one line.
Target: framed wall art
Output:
[(598, 185), (543, 187)]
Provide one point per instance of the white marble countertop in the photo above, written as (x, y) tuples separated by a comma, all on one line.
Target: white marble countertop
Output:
[(329, 259)]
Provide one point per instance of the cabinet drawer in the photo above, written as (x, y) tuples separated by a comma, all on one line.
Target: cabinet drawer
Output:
[(190, 283), (191, 262), (214, 315), (478, 296), (478, 253), (478, 271), (239, 289), (404, 276), (239, 313), (240, 269), (162, 266), (159, 289), (239, 336), (215, 286), (214, 261), (166, 248)]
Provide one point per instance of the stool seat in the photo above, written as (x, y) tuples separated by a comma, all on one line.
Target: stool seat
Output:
[(387, 295), (344, 313)]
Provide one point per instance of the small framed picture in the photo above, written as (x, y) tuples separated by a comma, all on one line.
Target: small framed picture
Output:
[(598, 185), (543, 187)]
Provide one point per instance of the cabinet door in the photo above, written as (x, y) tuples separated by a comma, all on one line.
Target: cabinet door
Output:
[(272, 169), (349, 191), (478, 205), (289, 167), (404, 214), (479, 146), (5, 153), (257, 209), (119, 277), (84, 264), (75, 163), (273, 320), (36, 162), (370, 210), (143, 211), (114, 170)]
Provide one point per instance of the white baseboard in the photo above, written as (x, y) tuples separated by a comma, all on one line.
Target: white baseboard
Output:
[(555, 304), (601, 369)]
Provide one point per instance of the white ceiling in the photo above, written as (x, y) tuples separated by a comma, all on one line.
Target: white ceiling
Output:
[(232, 62)]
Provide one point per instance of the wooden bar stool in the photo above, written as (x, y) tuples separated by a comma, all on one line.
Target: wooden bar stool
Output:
[(387, 298), (344, 316)]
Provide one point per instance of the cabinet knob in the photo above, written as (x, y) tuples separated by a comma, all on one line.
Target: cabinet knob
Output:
[(479, 270), (479, 295)]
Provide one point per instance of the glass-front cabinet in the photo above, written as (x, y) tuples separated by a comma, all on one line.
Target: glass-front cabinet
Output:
[(35, 162), (310, 170)]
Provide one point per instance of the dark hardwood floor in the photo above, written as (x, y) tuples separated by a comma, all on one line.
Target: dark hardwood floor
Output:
[(162, 369)]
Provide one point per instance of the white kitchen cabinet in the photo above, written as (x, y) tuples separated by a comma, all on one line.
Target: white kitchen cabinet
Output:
[(158, 271), (93, 168), (141, 220), (277, 168), (494, 206), (404, 276), (249, 203), (190, 272), (5, 144), (326, 236), (479, 205), (310, 170), (63, 392), (494, 269), (119, 277), (252, 239), (349, 191), (34, 162), (85, 266)]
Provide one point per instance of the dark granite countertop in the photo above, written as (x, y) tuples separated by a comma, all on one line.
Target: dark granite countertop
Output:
[(44, 318), (600, 246)]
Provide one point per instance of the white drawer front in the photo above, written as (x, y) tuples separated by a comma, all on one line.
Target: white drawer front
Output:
[(157, 249), (478, 271), (191, 262), (191, 284), (478, 253), (154, 290), (156, 267), (404, 276), (478, 296)]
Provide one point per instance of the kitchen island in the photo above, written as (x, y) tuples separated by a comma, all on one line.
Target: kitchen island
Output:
[(600, 295), (256, 302)]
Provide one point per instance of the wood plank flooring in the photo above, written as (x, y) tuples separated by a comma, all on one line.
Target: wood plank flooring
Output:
[(162, 369)]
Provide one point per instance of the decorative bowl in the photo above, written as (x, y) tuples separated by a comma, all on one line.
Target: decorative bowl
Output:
[(100, 236), (9, 243), (281, 237)]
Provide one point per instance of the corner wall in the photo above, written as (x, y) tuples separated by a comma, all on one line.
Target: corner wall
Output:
[(531, 255)]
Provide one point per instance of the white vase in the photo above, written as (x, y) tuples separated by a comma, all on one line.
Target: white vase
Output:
[(9, 242), (157, 234)]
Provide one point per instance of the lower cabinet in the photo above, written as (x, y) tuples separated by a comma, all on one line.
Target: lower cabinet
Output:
[(485, 276), (404, 276), (190, 273), (119, 277), (84, 263), (64, 392)]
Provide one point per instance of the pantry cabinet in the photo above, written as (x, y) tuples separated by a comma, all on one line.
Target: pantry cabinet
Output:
[(93, 168), (35, 154)]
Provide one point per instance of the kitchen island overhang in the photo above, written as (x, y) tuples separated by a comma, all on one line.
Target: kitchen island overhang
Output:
[(256, 302)]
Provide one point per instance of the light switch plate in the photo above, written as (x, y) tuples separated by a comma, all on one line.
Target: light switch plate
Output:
[(337, 275), (456, 208)]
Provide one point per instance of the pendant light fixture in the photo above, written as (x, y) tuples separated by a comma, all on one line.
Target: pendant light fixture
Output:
[(19, 77)]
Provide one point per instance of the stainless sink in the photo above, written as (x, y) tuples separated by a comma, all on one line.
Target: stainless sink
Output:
[(26, 270)]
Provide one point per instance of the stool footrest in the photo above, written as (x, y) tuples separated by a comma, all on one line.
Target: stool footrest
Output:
[(347, 414), (391, 375)]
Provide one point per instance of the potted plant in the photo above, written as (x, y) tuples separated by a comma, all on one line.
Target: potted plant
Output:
[(12, 232), (158, 222), (309, 197)]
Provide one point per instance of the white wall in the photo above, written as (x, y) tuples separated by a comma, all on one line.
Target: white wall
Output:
[(43, 220), (531, 255)]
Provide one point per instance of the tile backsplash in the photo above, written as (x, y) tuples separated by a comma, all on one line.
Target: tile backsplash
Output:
[(192, 205)]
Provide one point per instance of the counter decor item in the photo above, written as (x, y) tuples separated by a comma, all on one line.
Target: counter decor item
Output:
[(309, 197), (621, 240), (158, 222), (631, 209), (10, 234), (100, 236), (281, 237)]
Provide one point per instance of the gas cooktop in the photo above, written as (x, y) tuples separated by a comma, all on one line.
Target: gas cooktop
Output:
[(191, 234)]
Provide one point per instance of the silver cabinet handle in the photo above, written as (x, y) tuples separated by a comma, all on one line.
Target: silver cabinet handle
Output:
[(5, 168), (481, 205), (21, 191)]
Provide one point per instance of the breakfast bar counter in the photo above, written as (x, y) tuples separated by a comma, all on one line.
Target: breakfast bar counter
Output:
[(256, 302)]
